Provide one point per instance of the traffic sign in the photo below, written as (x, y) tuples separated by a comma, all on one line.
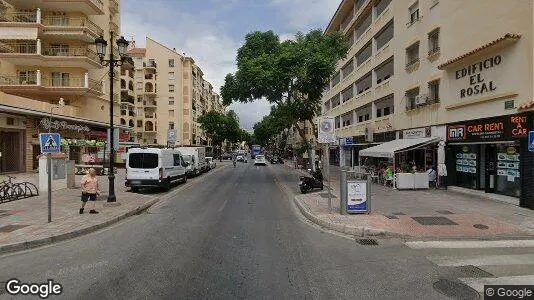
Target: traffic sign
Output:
[(171, 136), (326, 133), (50, 142), (531, 141)]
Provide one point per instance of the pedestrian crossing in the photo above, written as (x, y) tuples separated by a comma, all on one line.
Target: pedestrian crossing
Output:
[(507, 261)]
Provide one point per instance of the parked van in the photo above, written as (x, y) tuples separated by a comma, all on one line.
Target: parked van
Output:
[(196, 157), (154, 167)]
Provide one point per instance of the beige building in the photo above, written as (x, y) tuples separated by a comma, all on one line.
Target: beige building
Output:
[(47, 52), (170, 94), (454, 71)]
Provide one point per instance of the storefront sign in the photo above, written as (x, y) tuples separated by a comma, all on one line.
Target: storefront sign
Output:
[(357, 197), (416, 133), (492, 129), (478, 85), (62, 125)]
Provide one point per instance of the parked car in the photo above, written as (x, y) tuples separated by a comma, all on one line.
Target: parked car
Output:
[(227, 155), (276, 160), (260, 160), (211, 162), (154, 167), (196, 157), (241, 158)]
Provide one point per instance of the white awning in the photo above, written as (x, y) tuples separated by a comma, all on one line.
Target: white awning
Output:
[(388, 149)]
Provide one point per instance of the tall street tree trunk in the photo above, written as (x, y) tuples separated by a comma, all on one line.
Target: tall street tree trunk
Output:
[(309, 149)]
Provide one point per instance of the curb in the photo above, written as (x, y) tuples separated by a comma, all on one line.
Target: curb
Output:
[(359, 231), (69, 235)]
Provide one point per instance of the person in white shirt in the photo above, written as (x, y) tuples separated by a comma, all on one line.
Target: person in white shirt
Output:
[(431, 176)]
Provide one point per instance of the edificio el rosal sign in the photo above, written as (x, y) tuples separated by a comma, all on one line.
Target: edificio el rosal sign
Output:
[(477, 83), (47, 124)]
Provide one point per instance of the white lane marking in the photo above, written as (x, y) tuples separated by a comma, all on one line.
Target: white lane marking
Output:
[(478, 283), (223, 205), (470, 244), (483, 260)]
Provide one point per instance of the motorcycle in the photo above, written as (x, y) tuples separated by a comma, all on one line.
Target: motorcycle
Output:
[(308, 183)]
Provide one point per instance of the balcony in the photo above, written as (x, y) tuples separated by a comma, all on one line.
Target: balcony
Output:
[(68, 28), (32, 54), (383, 124), (19, 17), (114, 6), (48, 86), (88, 7), (150, 116), (150, 104), (150, 67)]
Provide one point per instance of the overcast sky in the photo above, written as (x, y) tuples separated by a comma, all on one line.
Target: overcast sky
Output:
[(211, 31)]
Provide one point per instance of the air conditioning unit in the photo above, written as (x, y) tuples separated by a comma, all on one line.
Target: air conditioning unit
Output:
[(421, 99)]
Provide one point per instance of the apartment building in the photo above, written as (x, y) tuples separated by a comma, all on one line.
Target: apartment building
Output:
[(453, 76), (47, 52), (170, 94)]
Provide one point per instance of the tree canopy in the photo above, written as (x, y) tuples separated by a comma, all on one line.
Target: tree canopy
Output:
[(220, 126)]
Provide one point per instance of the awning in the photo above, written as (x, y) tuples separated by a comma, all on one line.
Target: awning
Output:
[(388, 149)]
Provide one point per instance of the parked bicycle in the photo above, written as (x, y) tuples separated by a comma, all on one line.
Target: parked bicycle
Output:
[(10, 191)]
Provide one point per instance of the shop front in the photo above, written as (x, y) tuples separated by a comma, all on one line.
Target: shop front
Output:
[(12, 132), (488, 154)]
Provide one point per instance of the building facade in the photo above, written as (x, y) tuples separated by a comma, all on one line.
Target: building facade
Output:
[(169, 94), (456, 72), (47, 52)]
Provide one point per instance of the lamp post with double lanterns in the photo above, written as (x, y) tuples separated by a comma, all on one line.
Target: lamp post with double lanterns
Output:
[(112, 62)]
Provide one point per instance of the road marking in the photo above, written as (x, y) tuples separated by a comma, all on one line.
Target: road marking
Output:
[(483, 260), (478, 283), (470, 244)]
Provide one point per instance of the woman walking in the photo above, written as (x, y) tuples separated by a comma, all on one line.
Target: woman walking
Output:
[(89, 190)]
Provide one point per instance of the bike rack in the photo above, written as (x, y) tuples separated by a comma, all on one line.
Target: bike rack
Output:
[(16, 191)]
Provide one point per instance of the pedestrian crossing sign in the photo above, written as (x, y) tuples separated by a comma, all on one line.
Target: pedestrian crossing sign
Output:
[(50, 142), (531, 141)]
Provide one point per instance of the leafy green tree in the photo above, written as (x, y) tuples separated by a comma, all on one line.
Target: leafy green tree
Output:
[(220, 126), (289, 74)]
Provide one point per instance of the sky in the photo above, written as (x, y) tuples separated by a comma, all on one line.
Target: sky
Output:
[(211, 31)]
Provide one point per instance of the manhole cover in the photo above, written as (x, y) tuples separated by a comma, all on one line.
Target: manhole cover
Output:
[(434, 221), (325, 195), (10, 228), (392, 217), (445, 212), (367, 242), (399, 213), (455, 289), (472, 271), (481, 226)]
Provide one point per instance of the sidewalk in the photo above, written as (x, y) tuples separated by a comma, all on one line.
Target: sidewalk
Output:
[(23, 223), (393, 212)]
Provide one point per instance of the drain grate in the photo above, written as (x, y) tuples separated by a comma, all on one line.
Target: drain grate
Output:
[(367, 242), (11, 228), (392, 217), (325, 195), (472, 271), (434, 221), (455, 289), (481, 226), (399, 213), (445, 212)]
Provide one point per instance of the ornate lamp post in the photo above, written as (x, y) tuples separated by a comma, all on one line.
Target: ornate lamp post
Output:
[(112, 62)]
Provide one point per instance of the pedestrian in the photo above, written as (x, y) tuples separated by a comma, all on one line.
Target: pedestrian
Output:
[(431, 176), (89, 190)]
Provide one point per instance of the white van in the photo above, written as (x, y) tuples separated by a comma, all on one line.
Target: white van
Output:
[(196, 157), (154, 167)]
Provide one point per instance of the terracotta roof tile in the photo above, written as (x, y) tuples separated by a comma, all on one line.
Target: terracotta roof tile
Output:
[(137, 51), (508, 36)]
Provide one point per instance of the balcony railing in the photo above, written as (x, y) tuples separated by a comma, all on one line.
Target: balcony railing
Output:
[(22, 48), (37, 79), (70, 51), (149, 116), (72, 22), (19, 17), (64, 82), (18, 80)]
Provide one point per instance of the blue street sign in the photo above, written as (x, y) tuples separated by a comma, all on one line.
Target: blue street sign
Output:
[(50, 142), (531, 141), (348, 141)]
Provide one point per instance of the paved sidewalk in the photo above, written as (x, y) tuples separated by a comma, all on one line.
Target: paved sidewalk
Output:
[(23, 223), (393, 212)]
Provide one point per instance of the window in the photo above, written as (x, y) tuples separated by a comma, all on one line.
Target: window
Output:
[(433, 42), (387, 111), (171, 76), (143, 160), (139, 123), (171, 63), (412, 54), (171, 102), (384, 35), (348, 68), (367, 117), (171, 88), (171, 125), (378, 112), (364, 83), (336, 79), (347, 93), (360, 119), (363, 26), (171, 113), (414, 13), (60, 79), (177, 159), (28, 77), (364, 54), (384, 71), (139, 98), (381, 6), (433, 90), (410, 98)]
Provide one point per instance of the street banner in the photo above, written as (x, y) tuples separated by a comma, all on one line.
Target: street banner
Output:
[(326, 132)]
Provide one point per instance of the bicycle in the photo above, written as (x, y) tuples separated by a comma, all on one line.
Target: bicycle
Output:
[(9, 190)]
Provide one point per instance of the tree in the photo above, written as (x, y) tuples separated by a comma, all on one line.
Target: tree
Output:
[(290, 74), (220, 126)]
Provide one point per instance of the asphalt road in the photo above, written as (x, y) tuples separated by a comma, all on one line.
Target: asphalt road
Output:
[(230, 234)]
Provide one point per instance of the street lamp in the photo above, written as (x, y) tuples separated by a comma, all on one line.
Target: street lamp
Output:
[(112, 62)]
